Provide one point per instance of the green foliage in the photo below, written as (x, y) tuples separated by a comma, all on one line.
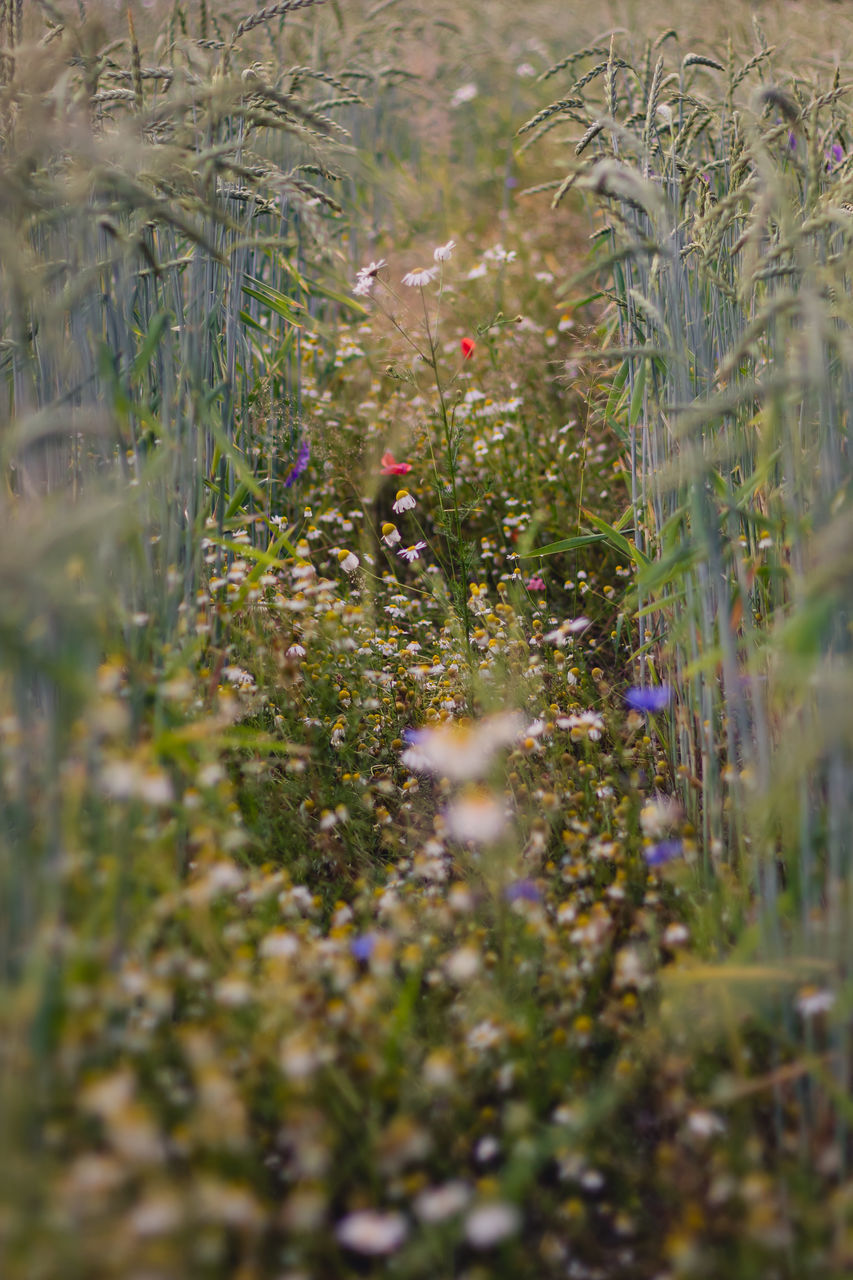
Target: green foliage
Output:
[(727, 247)]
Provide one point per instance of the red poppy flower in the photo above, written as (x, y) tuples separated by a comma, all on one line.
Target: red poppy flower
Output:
[(392, 468), (467, 345)]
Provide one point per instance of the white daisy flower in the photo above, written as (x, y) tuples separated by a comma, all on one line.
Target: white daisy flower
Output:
[(372, 1233), (348, 561), (484, 1036), (586, 725), (811, 1001), (476, 816), (419, 277), (704, 1124), (571, 626), (371, 271), (403, 502), (435, 1204), (489, 1224), (366, 278), (443, 252), (465, 93), (413, 552), (462, 964), (659, 816), (461, 751)]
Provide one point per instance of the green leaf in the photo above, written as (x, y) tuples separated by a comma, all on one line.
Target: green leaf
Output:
[(253, 324), (577, 303), (669, 568), (616, 390), (805, 633), (268, 559), (313, 287), (636, 407), (625, 518), (149, 346), (658, 606), (617, 540), (565, 544), (238, 462), (238, 497), (274, 299), (710, 660), (317, 286)]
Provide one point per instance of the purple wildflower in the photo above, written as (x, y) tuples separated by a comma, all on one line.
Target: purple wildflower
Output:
[(834, 156), (664, 851), (299, 465), (792, 141), (651, 699), (361, 948), (523, 891)]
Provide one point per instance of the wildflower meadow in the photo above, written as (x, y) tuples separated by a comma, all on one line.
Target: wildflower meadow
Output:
[(426, 640)]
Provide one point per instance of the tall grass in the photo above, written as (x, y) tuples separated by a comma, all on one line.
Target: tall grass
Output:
[(724, 244), (164, 236)]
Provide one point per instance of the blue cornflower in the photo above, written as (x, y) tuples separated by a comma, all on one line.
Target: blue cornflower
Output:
[(664, 851), (650, 699), (834, 156), (299, 465), (361, 948), (523, 891)]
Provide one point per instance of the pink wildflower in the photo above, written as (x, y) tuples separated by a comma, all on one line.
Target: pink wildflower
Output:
[(390, 467)]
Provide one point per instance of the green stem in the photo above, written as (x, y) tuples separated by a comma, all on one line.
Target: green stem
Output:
[(455, 551)]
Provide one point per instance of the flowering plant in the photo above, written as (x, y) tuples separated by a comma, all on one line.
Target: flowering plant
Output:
[(455, 556)]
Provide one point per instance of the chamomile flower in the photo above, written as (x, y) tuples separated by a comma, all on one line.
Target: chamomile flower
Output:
[(366, 278), (572, 626), (491, 1224), (420, 277), (443, 252), (372, 268), (435, 1204), (413, 552), (348, 561), (476, 815), (660, 816), (588, 724), (461, 751), (390, 534), (811, 1001), (403, 502), (372, 1233), (465, 93)]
